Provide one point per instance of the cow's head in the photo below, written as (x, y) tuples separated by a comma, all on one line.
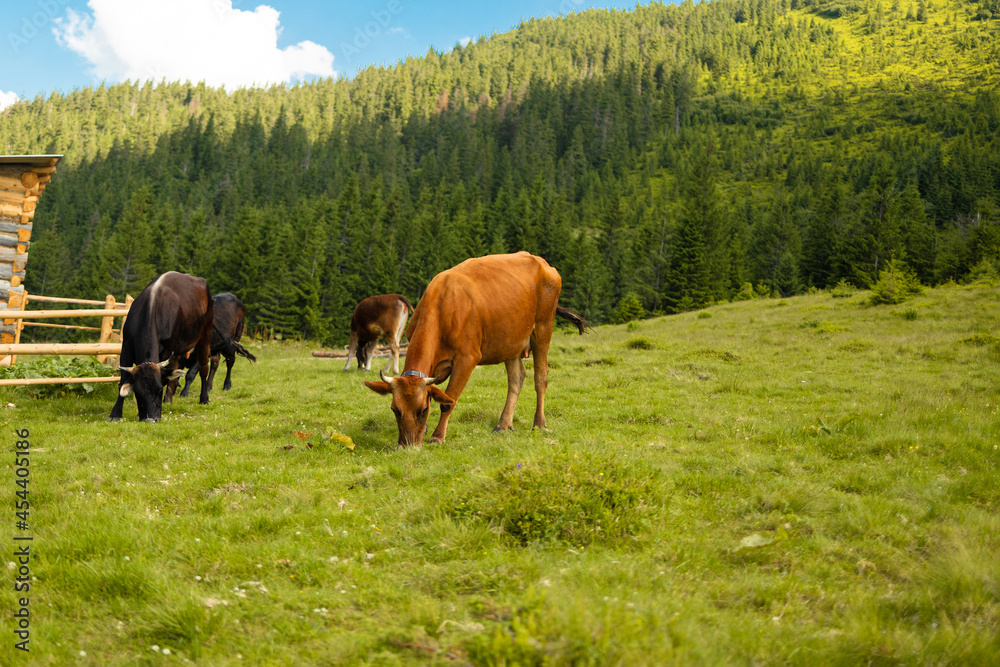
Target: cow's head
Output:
[(365, 351), (148, 380), (411, 403)]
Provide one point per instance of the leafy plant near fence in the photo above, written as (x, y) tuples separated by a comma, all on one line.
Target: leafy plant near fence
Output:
[(57, 367)]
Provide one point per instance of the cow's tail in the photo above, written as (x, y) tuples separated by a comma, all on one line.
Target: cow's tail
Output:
[(405, 302), (568, 314), (231, 348)]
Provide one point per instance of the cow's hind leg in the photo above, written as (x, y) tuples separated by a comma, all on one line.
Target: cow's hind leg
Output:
[(394, 338), (515, 380), (228, 384), (540, 340), (211, 372)]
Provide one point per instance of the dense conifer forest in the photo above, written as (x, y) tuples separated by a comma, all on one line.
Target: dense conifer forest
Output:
[(662, 159)]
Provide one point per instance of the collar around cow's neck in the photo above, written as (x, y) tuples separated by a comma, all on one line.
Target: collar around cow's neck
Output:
[(415, 374)]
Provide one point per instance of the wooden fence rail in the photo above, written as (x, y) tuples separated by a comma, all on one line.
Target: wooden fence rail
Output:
[(107, 349)]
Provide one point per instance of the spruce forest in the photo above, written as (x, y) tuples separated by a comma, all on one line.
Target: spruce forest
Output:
[(662, 159)]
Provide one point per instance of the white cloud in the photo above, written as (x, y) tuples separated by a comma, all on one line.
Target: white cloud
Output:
[(188, 40), (465, 41), (6, 99)]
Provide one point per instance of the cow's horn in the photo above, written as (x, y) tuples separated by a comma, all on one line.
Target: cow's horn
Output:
[(439, 378), (163, 364), (127, 370), (387, 380)]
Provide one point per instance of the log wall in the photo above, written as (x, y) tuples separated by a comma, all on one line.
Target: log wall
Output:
[(22, 180)]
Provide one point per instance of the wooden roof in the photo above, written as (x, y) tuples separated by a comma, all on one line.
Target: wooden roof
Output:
[(30, 160)]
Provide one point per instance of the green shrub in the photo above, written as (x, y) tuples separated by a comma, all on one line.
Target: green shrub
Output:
[(981, 340), (909, 314), (629, 308), (856, 346), (748, 292), (704, 315), (577, 498), (640, 343), (830, 327), (843, 290), (985, 273), (718, 355), (896, 283)]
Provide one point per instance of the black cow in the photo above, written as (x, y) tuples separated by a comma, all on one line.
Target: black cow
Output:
[(230, 314), (171, 316)]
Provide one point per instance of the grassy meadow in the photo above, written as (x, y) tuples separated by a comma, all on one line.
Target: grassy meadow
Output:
[(810, 480)]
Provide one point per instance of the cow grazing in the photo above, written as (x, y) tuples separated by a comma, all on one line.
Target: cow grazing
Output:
[(171, 316), (230, 315), (377, 317), (486, 310)]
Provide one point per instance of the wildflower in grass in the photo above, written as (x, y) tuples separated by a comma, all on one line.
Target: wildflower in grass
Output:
[(155, 648)]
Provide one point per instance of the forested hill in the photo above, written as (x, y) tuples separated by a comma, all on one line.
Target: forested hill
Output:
[(660, 158)]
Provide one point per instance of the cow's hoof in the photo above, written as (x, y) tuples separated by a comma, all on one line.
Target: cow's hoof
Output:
[(503, 430), (203, 401), (435, 441), (114, 419), (150, 420)]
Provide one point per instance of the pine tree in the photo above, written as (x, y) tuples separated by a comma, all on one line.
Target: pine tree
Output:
[(128, 253)]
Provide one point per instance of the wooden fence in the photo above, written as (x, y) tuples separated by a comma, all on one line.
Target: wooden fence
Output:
[(107, 349)]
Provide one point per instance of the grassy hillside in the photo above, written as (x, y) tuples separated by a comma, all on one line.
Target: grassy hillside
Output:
[(769, 481)]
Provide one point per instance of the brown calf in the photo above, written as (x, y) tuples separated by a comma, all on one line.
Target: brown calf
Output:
[(377, 317)]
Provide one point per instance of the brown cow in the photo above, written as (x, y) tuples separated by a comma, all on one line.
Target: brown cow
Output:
[(382, 316), (486, 310)]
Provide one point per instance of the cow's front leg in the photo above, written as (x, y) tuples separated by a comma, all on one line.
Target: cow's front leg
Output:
[(461, 371), (352, 347), (169, 390), (116, 411), (188, 379), (204, 366), (515, 380)]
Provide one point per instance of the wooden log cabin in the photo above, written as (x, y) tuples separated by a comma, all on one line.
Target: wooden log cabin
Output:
[(22, 180)]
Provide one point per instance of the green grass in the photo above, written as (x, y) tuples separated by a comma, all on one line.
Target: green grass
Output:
[(856, 447)]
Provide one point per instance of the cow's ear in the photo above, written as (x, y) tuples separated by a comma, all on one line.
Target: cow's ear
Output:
[(177, 373), (440, 396), (125, 389), (379, 387)]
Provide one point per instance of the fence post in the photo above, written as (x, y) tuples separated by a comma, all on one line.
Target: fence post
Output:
[(107, 324), (19, 301)]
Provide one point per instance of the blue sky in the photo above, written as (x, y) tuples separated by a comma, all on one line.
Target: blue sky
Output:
[(48, 45)]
